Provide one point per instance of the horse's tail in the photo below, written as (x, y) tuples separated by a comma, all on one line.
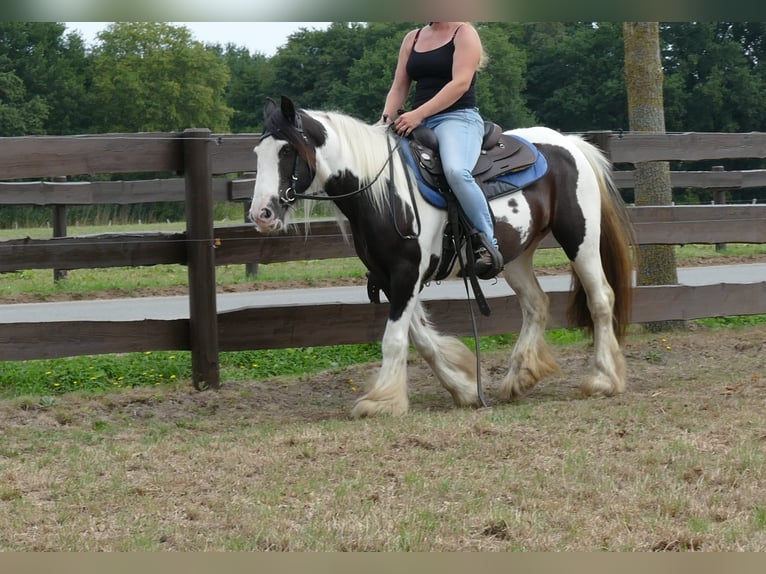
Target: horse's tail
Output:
[(617, 257)]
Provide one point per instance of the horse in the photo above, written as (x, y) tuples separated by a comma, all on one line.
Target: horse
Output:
[(398, 236)]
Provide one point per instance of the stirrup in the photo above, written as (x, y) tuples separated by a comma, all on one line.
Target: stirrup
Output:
[(488, 260)]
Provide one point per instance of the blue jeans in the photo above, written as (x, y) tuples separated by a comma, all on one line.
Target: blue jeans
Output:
[(460, 133)]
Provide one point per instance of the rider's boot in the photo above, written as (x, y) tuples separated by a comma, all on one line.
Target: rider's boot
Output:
[(488, 261)]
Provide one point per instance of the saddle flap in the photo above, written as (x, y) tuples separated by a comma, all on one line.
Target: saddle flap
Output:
[(508, 155)]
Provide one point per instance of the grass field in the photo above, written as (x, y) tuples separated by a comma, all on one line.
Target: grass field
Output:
[(677, 463)]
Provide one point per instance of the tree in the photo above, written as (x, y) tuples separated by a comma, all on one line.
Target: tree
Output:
[(575, 79), (19, 116), (643, 74), (151, 76), (500, 85), (715, 76), (250, 85), (364, 91), (313, 66), (44, 79)]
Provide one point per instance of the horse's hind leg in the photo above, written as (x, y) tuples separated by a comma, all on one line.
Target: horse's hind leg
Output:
[(452, 362), (608, 376), (531, 359)]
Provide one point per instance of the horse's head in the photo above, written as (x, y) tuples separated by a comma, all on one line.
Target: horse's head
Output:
[(286, 162)]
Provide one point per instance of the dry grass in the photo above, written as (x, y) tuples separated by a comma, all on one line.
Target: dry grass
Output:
[(677, 463)]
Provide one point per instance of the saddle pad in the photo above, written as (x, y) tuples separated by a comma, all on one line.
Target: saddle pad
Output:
[(501, 185)]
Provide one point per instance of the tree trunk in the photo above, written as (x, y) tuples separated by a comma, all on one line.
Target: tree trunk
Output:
[(644, 77)]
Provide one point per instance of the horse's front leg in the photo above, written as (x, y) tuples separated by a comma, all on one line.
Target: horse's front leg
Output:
[(388, 393), (453, 363)]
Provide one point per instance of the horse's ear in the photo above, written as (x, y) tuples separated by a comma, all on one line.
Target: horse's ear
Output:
[(269, 108), (288, 109)]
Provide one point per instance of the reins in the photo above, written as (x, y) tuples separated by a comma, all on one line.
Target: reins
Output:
[(459, 239)]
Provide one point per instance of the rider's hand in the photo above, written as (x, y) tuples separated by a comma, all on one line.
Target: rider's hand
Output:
[(407, 122)]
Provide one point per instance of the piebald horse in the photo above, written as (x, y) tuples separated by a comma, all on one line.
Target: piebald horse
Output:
[(398, 235)]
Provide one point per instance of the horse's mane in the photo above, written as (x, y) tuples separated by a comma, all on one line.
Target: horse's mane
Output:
[(367, 154)]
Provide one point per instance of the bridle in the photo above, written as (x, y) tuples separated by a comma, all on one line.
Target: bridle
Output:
[(289, 195)]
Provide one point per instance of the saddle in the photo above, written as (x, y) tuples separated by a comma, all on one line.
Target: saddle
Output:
[(505, 165), (500, 154)]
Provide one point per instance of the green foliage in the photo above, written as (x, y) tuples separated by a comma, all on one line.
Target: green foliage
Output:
[(52, 377), (369, 77), (96, 373), (714, 76), (314, 65), (251, 79), (575, 75), (501, 84), (151, 76)]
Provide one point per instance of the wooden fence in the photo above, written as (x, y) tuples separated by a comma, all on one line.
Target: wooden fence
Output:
[(203, 157)]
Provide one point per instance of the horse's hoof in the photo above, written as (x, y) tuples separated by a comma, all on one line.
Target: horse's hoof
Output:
[(599, 386), (368, 408)]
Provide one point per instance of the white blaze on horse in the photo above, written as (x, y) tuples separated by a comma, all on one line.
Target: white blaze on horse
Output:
[(398, 235)]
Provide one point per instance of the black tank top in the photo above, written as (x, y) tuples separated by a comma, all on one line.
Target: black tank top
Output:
[(432, 70)]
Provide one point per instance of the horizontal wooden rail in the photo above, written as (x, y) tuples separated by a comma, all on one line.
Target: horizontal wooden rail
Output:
[(732, 180), (665, 225), (103, 192), (94, 251), (635, 147), (172, 189), (22, 341), (295, 325), (48, 156)]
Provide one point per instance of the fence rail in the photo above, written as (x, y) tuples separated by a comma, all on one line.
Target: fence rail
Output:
[(200, 156), (705, 224)]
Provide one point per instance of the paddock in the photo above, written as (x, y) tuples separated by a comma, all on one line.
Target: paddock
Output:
[(677, 463)]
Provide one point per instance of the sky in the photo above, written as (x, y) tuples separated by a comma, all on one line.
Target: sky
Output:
[(263, 37)]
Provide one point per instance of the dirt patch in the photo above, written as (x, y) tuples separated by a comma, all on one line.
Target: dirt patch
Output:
[(734, 360)]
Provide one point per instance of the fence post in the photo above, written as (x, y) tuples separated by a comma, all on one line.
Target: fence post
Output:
[(59, 226), (719, 198), (601, 139), (203, 318)]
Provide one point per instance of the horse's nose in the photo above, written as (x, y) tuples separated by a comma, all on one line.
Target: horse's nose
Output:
[(265, 219)]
